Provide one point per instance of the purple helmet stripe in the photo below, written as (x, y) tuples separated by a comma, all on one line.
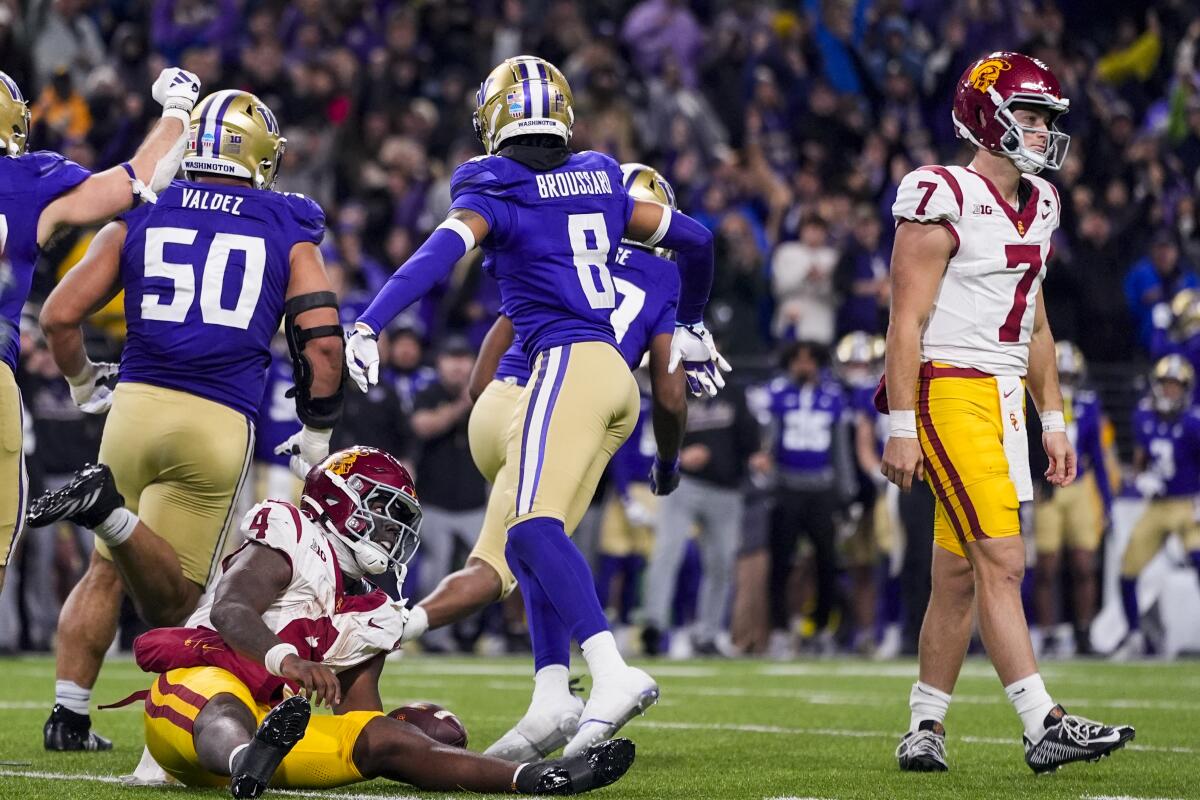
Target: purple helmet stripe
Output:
[(12, 88), (216, 151), (528, 102), (542, 72), (546, 99), (200, 130), (632, 177), (524, 66)]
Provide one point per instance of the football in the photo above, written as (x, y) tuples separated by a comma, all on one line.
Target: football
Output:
[(439, 724)]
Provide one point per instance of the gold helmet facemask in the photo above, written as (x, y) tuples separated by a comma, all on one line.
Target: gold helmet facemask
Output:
[(1072, 368), (14, 118), (234, 134), (1173, 368), (527, 107), (648, 184)]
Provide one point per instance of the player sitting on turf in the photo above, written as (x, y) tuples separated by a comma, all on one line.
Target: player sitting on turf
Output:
[(208, 272), (1166, 429), (291, 612)]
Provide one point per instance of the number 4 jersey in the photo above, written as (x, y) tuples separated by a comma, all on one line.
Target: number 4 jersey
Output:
[(983, 313), (205, 272)]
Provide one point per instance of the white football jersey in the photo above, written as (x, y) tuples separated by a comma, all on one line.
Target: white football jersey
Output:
[(343, 630), (984, 309)]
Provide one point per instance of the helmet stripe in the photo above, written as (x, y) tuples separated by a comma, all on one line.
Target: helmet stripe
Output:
[(11, 85), (203, 120), (216, 148), (524, 66), (542, 71), (527, 99), (631, 177)]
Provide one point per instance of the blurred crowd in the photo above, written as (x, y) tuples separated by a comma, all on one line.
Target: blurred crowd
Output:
[(784, 127)]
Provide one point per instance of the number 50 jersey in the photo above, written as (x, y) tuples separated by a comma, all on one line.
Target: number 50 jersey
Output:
[(983, 313), (205, 271)]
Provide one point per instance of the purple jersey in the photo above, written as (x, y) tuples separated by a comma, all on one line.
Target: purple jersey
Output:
[(647, 288), (1172, 447), (552, 236), (28, 184), (276, 419), (805, 418), (231, 245)]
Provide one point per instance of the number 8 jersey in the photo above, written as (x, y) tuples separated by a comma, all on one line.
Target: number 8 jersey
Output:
[(205, 272), (983, 313)]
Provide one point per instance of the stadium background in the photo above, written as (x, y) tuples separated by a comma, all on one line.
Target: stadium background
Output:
[(784, 127)]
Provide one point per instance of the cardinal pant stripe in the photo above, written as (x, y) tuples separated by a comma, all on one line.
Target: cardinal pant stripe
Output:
[(537, 424)]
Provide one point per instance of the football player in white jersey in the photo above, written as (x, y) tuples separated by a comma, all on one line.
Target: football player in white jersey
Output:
[(291, 612), (968, 332)]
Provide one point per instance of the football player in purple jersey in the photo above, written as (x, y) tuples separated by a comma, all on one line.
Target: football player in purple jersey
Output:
[(209, 271), (549, 221), (40, 192)]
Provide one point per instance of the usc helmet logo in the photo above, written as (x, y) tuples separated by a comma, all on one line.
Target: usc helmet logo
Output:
[(342, 465), (987, 72)]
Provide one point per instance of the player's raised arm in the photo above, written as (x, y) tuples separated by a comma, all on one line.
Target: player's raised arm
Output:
[(153, 165), (657, 225), (499, 338), (430, 264), (919, 259), (1047, 396), (669, 415), (84, 290), (314, 338)]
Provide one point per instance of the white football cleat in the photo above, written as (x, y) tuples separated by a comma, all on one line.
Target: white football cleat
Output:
[(539, 733), (611, 704)]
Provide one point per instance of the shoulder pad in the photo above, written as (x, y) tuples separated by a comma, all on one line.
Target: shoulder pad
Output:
[(929, 194), (481, 175), (276, 524), (307, 215)]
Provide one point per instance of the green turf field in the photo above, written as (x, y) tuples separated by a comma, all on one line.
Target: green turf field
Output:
[(741, 729)]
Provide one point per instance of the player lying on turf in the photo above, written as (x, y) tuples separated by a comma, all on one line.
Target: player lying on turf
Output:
[(647, 286), (209, 271), (39, 193), (291, 611), (968, 332)]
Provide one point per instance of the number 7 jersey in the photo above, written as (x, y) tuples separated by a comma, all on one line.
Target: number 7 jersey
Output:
[(205, 272), (983, 312)]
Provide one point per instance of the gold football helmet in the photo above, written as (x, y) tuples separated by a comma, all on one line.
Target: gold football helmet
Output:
[(1185, 315), (647, 183), (517, 69), (233, 133), (858, 359), (14, 117), (524, 107), (1172, 369), (1072, 368)]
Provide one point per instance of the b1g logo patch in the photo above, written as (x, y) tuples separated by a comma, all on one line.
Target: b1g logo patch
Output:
[(986, 73)]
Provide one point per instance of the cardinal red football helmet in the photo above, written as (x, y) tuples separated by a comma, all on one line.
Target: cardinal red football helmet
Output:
[(367, 498), (983, 104)]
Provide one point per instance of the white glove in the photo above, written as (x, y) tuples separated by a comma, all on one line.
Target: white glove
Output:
[(306, 446), (92, 387), (693, 346), (637, 514), (362, 356), (177, 91), (1149, 485), (416, 622)]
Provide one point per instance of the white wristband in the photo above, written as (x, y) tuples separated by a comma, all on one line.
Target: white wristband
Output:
[(273, 660), (178, 113), (84, 376), (902, 424), (1053, 422)]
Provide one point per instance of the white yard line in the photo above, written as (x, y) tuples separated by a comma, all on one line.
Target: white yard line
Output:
[(113, 779)]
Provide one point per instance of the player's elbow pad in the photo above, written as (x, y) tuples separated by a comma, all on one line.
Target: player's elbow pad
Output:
[(424, 269), (321, 413), (693, 246)]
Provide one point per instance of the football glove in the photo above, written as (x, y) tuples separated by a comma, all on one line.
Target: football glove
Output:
[(693, 346), (306, 447), (362, 356), (92, 388), (637, 514), (177, 91), (1149, 485), (664, 477)]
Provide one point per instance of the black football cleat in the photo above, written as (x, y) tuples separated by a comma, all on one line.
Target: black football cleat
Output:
[(599, 765), (923, 750), (279, 732), (87, 500), (67, 731), (1070, 738)]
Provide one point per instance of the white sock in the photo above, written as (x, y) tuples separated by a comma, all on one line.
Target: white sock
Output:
[(71, 696), (234, 755), (1031, 700), (926, 702), (551, 686), (117, 527), (602, 656)]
